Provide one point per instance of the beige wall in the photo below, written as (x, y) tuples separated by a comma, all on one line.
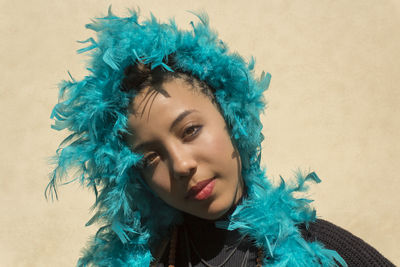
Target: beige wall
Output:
[(333, 107)]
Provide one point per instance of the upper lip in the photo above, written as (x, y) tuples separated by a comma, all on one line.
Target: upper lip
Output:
[(194, 190)]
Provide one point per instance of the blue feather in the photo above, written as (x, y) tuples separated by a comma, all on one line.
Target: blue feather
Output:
[(94, 110)]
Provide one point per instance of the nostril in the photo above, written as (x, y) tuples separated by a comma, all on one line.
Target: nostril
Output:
[(185, 172), (192, 171), (189, 173)]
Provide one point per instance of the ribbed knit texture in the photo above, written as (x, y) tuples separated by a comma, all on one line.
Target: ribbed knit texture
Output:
[(213, 244), (353, 250)]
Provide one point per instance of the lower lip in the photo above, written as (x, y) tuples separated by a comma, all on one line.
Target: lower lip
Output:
[(206, 191)]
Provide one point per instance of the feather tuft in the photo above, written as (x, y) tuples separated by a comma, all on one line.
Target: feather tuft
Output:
[(94, 110)]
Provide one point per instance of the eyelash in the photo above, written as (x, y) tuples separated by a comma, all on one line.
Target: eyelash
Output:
[(196, 129), (146, 162)]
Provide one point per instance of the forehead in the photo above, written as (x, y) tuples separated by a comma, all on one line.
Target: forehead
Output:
[(155, 108), (173, 92)]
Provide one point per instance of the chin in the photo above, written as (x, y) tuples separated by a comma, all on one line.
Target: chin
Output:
[(210, 216), (216, 210), (216, 206)]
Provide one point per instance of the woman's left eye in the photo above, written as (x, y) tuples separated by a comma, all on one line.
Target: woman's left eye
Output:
[(191, 131)]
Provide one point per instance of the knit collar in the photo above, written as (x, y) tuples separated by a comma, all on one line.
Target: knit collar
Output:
[(196, 228)]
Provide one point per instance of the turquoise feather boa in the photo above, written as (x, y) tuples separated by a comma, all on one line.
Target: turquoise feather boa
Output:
[(94, 110)]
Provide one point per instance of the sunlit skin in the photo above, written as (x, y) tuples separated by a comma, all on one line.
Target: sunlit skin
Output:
[(184, 140)]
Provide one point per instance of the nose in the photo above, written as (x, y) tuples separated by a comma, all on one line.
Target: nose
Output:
[(183, 164)]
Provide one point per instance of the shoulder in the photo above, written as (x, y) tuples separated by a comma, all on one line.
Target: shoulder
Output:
[(352, 249)]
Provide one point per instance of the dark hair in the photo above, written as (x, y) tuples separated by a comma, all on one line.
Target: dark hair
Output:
[(140, 75)]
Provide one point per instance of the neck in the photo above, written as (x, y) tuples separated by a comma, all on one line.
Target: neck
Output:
[(191, 220)]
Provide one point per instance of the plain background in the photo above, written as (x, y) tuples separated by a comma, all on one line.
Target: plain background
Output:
[(333, 107)]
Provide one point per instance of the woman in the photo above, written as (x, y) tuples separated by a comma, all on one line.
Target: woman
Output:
[(167, 127)]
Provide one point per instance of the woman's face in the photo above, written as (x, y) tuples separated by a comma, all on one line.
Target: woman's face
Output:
[(189, 160)]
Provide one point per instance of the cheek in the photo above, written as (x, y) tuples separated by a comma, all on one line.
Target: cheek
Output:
[(219, 145), (159, 180)]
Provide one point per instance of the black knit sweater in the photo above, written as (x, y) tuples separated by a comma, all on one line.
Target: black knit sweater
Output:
[(352, 249), (201, 238)]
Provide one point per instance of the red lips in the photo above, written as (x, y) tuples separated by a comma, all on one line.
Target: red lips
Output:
[(201, 190)]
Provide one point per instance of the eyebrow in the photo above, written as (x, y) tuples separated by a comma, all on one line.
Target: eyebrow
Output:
[(181, 117), (177, 120)]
